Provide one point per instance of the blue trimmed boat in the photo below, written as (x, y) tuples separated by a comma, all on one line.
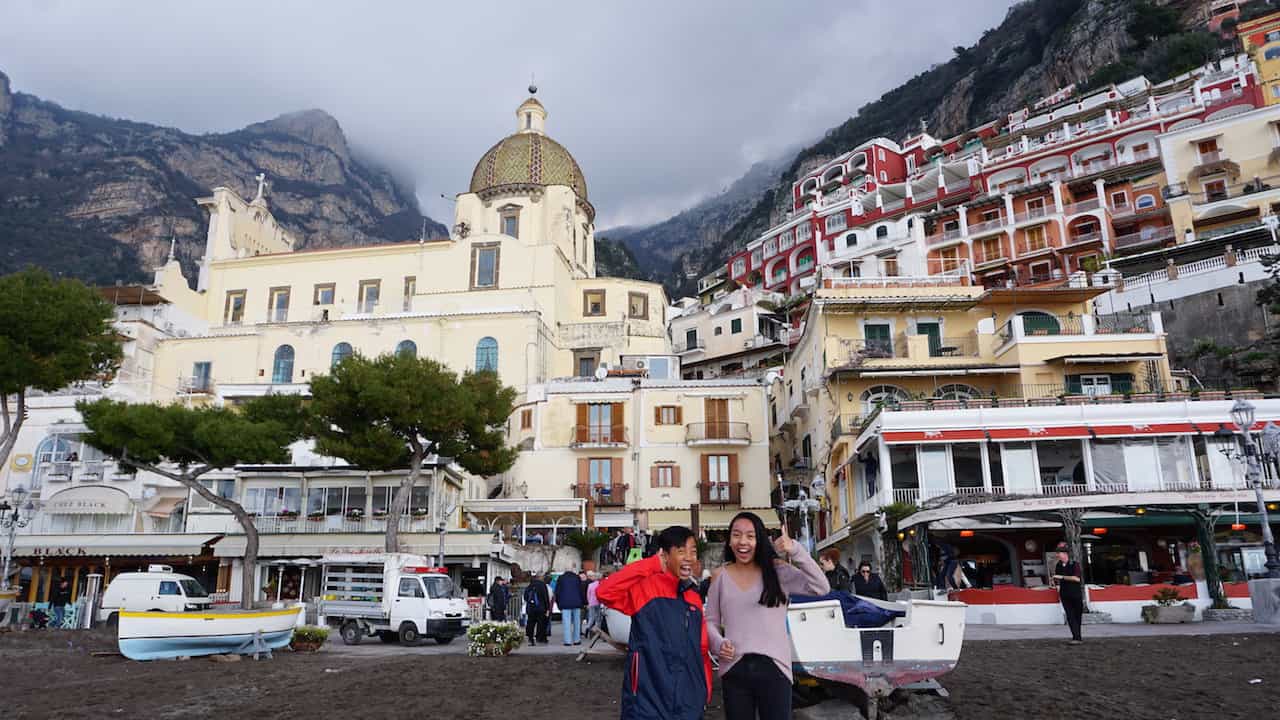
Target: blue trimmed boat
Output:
[(162, 635)]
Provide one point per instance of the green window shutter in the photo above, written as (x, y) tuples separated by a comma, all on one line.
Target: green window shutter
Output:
[(1073, 385)]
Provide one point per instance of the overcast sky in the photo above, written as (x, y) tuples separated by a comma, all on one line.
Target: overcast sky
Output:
[(662, 103)]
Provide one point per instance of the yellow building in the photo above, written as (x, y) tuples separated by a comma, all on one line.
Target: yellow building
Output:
[(1261, 40), (938, 343), (643, 452), (513, 288)]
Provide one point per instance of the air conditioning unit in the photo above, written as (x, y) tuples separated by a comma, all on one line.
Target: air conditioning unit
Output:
[(641, 364)]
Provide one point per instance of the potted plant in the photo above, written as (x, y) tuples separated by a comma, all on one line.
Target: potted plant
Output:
[(1168, 609), (355, 514), (288, 514), (588, 542), (315, 516), (419, 513), (493, 639), (308, 638)]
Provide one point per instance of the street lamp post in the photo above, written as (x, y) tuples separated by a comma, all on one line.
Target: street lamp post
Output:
[(12, 517), (1242, 413)]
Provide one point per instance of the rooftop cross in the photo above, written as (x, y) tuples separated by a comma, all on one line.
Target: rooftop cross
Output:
[(262, 185)]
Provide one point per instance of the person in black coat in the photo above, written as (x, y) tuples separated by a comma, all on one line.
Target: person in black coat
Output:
[(837, 576), (59, 599), (571, 597), (499, 597), (537, 608), (869, 584)]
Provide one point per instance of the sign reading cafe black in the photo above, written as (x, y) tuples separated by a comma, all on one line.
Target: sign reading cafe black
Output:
[(59, 552)]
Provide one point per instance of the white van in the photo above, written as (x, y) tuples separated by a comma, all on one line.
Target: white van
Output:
[(160, 588)]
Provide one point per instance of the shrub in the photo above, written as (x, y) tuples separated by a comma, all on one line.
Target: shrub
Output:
[(1167, 597), (493, 639), (309, 636)]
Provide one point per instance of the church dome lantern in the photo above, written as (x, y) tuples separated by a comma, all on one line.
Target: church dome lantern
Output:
[(528, 159)]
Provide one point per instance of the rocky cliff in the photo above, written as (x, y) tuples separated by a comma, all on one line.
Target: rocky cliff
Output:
[(100, 198), (1041, 45)]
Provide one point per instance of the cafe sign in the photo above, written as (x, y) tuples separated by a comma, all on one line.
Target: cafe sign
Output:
[(94, 500)]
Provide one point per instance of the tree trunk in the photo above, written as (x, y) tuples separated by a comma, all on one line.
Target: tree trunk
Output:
[(11, 424), (191, 479), (889, 559), (1072, 519), (1205, 520), (391, 541)]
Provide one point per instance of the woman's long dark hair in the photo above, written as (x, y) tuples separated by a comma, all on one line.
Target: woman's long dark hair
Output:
[(772, 595)]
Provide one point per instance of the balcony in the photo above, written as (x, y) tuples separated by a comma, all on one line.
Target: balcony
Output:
[(965, 346), (846, 424), (1033, 214), (894, 281), (987, 226), (974, 494), (1026, 246), (1084, 238), (1230, 192), (946, 236), (90, 471), (1081, 207), (717, 433), (196, 385), (587, 437), (296, 523), (983, 255), (689, 346), (856, 350), (1144, 238), (720, 493), (602, 495)]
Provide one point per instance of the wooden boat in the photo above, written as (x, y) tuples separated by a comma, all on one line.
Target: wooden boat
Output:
[(918, 646), (157, 635)]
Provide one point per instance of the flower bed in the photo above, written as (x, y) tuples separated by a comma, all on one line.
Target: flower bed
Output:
[(309, 638), (493, 639)]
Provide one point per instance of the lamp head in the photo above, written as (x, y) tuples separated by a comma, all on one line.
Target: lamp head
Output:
[(1242, 414), (18, 492)]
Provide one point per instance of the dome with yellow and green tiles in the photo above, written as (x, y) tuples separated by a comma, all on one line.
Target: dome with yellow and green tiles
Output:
[(528, 157)]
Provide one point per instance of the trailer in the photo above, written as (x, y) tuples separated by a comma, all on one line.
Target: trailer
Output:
[(395, 596)]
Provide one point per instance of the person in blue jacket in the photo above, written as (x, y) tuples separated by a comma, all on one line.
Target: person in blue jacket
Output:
[(571, 596)]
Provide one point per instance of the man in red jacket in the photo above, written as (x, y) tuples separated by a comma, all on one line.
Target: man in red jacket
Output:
[(668, 671)]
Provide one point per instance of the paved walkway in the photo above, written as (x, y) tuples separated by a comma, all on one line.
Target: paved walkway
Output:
[(1112, 630), (375, 648)]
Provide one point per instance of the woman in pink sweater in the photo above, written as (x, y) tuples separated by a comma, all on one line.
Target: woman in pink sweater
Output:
[(746, 611)]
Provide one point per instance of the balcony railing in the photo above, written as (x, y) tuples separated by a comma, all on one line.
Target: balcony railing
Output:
[(846, 424), (710, 433), (1145, 237), (944, 237), (983, 255), (316, 523), (720, 493), (856, 350), (691, 345), (1033, 213), (1026, 246), (1230, 192), (962, 346), (1081, 207), (968, 495), (598, 436), (603, 495), (987, 226)]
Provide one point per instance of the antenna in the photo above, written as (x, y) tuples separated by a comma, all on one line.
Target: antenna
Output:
[(422, 238)]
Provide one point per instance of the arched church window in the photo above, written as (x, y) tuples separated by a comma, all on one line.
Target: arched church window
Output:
[(282, 367), (487, 354)]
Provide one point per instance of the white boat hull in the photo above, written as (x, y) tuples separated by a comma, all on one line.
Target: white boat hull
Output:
[(922, 645), (158, 635)]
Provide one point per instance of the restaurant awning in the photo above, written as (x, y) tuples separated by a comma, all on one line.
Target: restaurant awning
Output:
[(162, 507), (457, 544), (1040, 433), (114, 545)]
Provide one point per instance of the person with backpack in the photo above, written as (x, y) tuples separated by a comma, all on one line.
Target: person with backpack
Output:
[(537, 608), (571, 595), (668, 670)]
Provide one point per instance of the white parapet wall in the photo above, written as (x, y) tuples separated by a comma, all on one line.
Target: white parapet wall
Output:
[(1191, 278)]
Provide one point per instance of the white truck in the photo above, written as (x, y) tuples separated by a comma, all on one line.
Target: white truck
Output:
[(396, 596)]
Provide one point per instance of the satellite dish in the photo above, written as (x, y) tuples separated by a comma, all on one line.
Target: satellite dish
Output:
[(602, 372)]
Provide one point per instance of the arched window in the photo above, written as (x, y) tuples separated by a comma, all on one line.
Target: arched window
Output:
[(341, 352), (882, 232), (282, 367), (851, 239), (407, 347), (1035, 322), (52, 449), (1272, 53), (804, 261), (957, 391), (487, 354), (1145, 201), (878, 395)]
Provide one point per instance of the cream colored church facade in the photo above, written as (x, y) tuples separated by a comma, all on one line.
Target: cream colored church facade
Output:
[(513, 288)]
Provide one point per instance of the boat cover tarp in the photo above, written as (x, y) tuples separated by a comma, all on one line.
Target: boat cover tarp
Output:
[(858, 613)]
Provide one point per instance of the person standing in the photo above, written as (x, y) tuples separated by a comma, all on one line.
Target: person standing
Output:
[(593, 600), (837, 576), (747, 617), (869, 584), (58, 602), (537, 606), (1068, 577), (570, 597), (668, 670), (499, 597)]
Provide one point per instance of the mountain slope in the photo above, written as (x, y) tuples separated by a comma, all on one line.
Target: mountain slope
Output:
[(99, 198), (1041, 45)]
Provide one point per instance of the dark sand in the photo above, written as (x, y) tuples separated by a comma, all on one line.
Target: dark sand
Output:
[(53, 674)]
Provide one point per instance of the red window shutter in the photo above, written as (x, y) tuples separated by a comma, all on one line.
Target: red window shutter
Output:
[(580, 432), (657, 414), (615, 432), (675, 476), (615, 477), (679, 415), (584, 474), (653, 476), (706, 478), (734, 485)]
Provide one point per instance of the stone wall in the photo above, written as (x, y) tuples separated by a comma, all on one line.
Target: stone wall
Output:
[(539, 559)]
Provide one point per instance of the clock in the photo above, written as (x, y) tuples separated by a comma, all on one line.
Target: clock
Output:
[(1030, 545), (22, 463)]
